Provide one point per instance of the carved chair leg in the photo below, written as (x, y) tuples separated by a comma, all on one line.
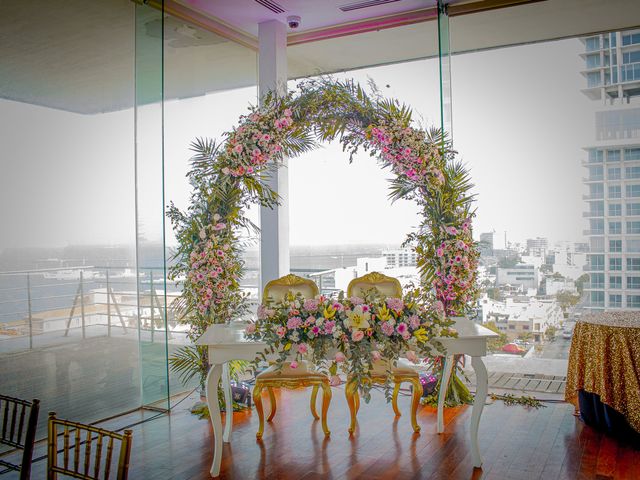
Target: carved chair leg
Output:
[(314, 397), (356, 399), (350, 392), (257, 400), (326, 400), (272, 402), (415, 402), (394, 398)]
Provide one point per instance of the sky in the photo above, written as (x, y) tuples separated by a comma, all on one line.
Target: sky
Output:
[(520, 124)]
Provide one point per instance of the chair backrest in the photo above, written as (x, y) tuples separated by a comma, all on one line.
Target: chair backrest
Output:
[(96, 463), (19, 423), (387, 286), (277, 289)]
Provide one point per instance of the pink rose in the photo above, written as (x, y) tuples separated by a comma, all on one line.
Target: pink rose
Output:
[(340, 357), (251, 328), (302, 348), (294, 364), (357, 335)]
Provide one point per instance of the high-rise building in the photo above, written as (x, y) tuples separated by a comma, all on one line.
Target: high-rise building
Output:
[(486, 244), (537, 247), (612, 72)]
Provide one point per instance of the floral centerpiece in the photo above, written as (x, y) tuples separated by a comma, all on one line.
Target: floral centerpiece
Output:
[(355, 332)]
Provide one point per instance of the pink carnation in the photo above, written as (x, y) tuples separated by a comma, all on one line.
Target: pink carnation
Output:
[(414, 321), (294, 322), (310, 305), (387, 329), (395, 304), (303, 348)]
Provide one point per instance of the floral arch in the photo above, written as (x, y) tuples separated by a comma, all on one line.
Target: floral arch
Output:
[(229, 176)]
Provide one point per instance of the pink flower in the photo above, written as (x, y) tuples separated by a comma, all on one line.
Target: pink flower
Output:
[(288, 112), (310, 305), (387, 329), (401, 328), (376, 355), (303, 348), (395, 304), (237, 149), (251, 328), (412, 357), (440, 252), (329, 326), (406, 335), (294, 364), (335, 381), (414, 321), (280, 331), (356, 300), (337, 306), (340, 357), (316, 330), (294, 322), (451, 230), (357, 335)]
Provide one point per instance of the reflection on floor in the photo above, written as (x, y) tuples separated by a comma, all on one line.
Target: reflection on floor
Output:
[(549, 443)]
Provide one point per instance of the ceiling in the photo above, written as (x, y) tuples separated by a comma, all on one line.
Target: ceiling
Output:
[(79, 56)]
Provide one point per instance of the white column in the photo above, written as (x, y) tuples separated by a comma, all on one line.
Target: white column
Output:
[(274, 223)]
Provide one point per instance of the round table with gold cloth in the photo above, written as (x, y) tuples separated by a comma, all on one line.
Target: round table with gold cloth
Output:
[(604, 370)]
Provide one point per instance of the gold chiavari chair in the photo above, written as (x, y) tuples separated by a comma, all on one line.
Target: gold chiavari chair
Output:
[(94, 463), (388, 287), (288, 377), (19, 422)]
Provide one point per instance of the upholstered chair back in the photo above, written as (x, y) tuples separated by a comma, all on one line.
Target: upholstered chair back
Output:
[(277, 289), (387, 286)]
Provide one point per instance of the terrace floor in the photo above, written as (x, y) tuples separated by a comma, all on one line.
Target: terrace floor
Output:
[(550, 443)]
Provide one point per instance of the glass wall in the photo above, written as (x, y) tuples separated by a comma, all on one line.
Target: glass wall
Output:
[(209, 81), (68, 297)]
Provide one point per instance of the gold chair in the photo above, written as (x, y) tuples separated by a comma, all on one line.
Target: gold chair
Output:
[(84, 434), (388, 287), (288, 377)]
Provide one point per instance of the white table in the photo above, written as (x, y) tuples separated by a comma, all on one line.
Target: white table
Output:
[(227, 342)]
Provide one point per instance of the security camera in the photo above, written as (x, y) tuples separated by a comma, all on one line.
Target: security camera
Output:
[(294, 21)]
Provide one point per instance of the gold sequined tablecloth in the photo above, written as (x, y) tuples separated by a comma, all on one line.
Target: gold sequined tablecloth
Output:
[(605, 360)]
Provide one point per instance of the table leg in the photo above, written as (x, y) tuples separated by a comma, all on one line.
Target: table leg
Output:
[(213, 377), (444, 386), (228, 403), (482, 387)]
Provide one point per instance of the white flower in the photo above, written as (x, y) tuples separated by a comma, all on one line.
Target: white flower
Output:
[(295, 336), (358, 318)]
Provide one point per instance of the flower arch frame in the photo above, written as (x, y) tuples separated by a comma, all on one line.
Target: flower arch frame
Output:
[(229, 176)]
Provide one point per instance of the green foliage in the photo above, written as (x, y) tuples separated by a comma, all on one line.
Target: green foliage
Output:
[(567, 299), (496, 344), (550, 333), (582, 279), (524, 400)]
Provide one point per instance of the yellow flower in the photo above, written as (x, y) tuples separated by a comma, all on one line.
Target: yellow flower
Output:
[(287, 347), (420, 334), (329, 312), (384, 313)]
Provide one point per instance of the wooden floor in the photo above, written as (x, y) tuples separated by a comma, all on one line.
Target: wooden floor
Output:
[(516, 443)]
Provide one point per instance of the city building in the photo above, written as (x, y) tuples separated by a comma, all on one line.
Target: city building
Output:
[(402, 257), (612, 73), (523, 274), (520, 315), (486, 244), (537, 247)]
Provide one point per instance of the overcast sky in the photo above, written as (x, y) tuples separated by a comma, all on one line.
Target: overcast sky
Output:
[(519, 122)]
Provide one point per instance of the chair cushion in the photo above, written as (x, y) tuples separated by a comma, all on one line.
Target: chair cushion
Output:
[(380, 368), (287, 372)]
